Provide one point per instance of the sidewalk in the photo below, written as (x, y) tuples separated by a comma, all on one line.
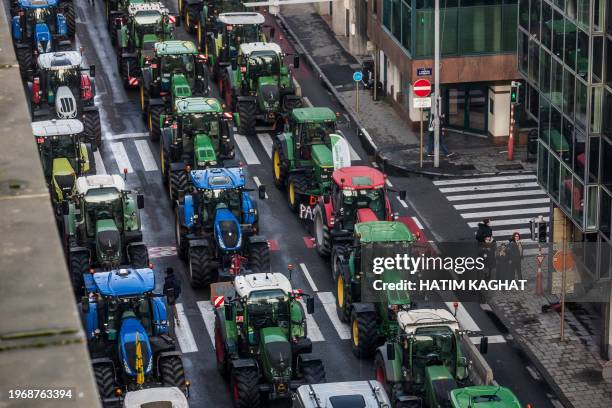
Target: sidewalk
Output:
[(394, 144), (573, 368)]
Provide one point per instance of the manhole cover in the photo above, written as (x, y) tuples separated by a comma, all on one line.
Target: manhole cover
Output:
[(513, 166)]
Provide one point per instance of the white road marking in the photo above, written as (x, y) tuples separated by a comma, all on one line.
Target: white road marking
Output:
[(388, 182), (311, 282), (245, 147), (496, 339), (258, 183), (463, 317), (534, 251), (512, 203), (100, 168), (556, 403), (307, 101), (354, 155), (512, 221), (146, 156), (402, 202), (374, 164), (418, 223), (483, 180), (509, 232), (506, 213), (126, 136), (488, 187), (266, 142), (533, 373), (121, 157), (486, 307), (183, 332), (328, 301), (465, 197), (208, 314), (314, 332)]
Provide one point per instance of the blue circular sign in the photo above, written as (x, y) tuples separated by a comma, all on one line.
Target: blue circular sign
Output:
[(357, 76)]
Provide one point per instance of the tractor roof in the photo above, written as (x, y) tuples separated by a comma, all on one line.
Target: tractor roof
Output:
[(198, 105), (320, 114), (351, 393), (358, 177), (254, 282), (60, 60), (248, 48), (171, 396), (484, 396), (218, 178), (410, 320), (383, 231), (57, 127), (37, 3), (147, 13), (125, 282), (84, 184), (241, 18), (175, 47)]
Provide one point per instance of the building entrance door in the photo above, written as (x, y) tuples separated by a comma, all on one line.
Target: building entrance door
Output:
[(465, 107)]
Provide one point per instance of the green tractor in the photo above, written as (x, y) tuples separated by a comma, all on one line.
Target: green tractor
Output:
[(261, 340), (136, 34), (259, 85), (196, 135), (232, 29), (424, 363), (175, 70), (372, 315), (305, 153), (63, 156), (102, 227), (200, 16), (484, 396)]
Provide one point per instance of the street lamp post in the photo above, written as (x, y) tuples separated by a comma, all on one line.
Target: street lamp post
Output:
[(436, 102)]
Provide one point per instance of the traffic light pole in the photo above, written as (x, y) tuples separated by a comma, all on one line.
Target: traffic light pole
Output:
[(511, 134), (436, 105)]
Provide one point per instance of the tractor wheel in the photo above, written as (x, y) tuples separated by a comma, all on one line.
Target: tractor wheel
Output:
[(70, 20), (321, 232), (177, 181), (191, 19), (314, 373), (92, 129), (247, 112), (259, 257), (144, 96), (379, 369), (292, 103), (155, 112), (200, 271), (342, 304), (337, 251), (172, 372), (179, 233), (105, 380), (220, 350), (200, 39), (139, 256), (164, 163), (364, 335), (127, 68), (91, 159), (296, 185), (245, 390), (25, 60), (279, 165), (79, 265)]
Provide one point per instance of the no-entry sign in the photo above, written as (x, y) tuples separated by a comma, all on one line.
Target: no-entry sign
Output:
[(421, 88)]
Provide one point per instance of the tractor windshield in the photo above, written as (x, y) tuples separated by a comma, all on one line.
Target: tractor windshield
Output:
[(201, 123), (317, 133), (103, 204), (268, 308), (41, 16), (118, 309), (264, 63), (213, 199), (242, 34), (61, 146), (381, 249), (434, 346), (178, 64), (63, 77), (353, 200)]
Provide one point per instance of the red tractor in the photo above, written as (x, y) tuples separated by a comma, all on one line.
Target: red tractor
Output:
[(357, 194)]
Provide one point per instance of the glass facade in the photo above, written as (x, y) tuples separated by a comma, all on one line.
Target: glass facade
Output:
[(562, 50), (469, 27)]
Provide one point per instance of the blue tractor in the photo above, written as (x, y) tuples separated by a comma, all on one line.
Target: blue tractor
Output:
[(217, 225), (40, 26), (130, 341)]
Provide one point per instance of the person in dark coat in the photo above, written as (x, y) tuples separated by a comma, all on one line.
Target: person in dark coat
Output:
[(172, 284), (515, 256), (484, 230), (487, 251)]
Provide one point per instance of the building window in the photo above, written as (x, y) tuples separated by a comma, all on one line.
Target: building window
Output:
[(544, 121), (524, 14), (598, 15), (543, 166), (568, 93), (581, 104), (556, 92), (534, 61), (553, 177), (605, 207), (596, 102), (397, 18), (606, 163), (547, 25), (570, 8), (523, 52), (509, 16), (570, 44), (582, 52), (534, 18), (591, 205), (558, 31), (583, 13), (606, 127), (597, 59), (534, 101), (594, 159)]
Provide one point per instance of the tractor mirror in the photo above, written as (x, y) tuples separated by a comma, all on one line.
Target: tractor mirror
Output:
[(484, 345), (326, 199), (310, 305), (262, 192), (234, 64), (65, 207), (85, 304), (177, 20), (92, 70), (140, 201), (402, 195), (272, 32), (463, 362), (229, 311), (390, 352), (296, 61)]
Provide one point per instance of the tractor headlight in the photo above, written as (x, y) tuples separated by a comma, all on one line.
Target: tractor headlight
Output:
[(150, 365), (126, 367)]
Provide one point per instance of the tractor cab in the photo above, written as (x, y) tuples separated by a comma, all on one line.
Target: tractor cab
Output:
[(261, 59), (146, 24), (489, 396), (178, 68), (234, 29), (62, 155)]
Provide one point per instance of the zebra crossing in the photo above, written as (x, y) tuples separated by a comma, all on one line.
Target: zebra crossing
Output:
[(509, 201)]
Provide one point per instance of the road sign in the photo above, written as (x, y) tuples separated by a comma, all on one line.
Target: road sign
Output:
[(540, 259), (423, 71), (421, 88), (559, 263), (421, 103), (357, 76)]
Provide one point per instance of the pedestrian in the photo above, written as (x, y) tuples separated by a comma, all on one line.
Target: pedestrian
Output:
[(431, 142), (484, 230), (487, 252), (502, 265), (515, 256), (172, 284)]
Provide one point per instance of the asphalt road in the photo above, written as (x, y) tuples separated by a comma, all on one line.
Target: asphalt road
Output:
[(126, 145)]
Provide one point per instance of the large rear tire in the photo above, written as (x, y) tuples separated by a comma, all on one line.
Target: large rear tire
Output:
[(247, 112), (342, 304), (220, 350), (314, 373), (79, 265), (105, 380), (172, 372), (364, 336), (139, 256), (70, 19), (177, 182), (279, 165), (92, 129), (200, 271), (245, 390), (321, 232), (296, 185), (90, 159), (25, 60), (155, 112), (179, 234), (259, 257)]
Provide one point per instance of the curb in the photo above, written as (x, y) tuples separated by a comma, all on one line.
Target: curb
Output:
[(534, 360), (392, 168)]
